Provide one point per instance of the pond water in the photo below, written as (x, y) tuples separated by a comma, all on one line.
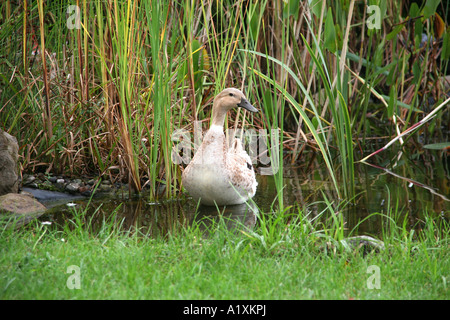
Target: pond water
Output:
[(415, 189)]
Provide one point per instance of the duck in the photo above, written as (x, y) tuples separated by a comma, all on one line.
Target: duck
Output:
[(219, 174)]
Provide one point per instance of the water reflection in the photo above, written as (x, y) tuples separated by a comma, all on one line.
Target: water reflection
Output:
[(377, 191), (155, 218), (235, 218)]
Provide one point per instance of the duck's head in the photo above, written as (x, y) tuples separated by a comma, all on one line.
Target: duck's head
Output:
[(228, 99)]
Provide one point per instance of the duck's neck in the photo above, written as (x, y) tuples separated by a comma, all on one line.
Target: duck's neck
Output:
[(218, 115)]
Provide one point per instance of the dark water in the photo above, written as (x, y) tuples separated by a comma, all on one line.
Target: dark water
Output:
[(407, 190)]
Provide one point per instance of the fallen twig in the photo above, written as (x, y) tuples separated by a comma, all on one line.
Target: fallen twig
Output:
[(410, 129)]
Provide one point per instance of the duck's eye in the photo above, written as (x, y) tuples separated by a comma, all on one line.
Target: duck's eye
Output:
[(231, 94)]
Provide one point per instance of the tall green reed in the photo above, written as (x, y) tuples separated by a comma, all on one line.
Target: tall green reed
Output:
[(125, 42), (157, 16)]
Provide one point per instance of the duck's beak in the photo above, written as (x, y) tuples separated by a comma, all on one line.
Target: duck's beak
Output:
[(246, 105)]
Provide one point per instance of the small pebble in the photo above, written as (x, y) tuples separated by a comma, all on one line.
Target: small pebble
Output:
[(72, 187), (28, 180)]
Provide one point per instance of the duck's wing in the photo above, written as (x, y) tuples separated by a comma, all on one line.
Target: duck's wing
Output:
[(240, 168), (237, 149)]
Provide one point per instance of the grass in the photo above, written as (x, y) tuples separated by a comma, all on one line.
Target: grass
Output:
[(286, 256)]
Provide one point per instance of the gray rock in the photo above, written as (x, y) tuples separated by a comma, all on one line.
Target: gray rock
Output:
[(28, 179), (33, 185), (9, 179), (20, 208), (72, 187), (52, 179), (366, 243), (104, 188)]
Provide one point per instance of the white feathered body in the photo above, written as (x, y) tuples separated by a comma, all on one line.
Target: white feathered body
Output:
[(219, 174)]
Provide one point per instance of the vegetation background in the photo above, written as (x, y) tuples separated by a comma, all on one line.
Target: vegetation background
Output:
[(95, 87)]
